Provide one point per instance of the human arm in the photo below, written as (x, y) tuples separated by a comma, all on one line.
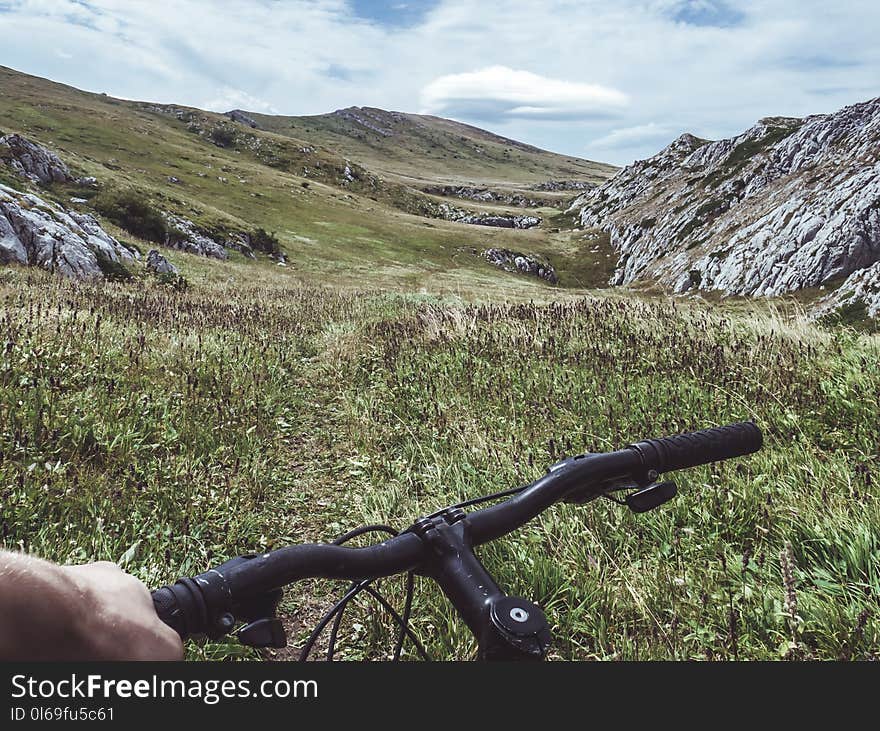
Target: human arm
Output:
[(90, 612)]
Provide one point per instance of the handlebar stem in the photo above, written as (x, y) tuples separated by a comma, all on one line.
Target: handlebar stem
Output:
[(506, 628)]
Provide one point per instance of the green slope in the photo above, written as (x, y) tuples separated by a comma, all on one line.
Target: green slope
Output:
[(425, 148)]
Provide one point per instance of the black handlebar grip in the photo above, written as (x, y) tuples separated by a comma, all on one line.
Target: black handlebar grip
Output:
[(168, 610), (700, 447), (182, 607)]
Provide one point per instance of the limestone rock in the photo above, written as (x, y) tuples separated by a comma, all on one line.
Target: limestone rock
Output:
[(485, 195), (498, 221), (556, 185), (236, 115), (789, 204), (34, 232), (187, 237), (860, 289), (514, 261), (158, 264), (33, 161)]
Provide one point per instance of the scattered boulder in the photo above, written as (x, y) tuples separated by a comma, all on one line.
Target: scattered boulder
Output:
[(514, 261), (185, 236), (33, 161), (34, 232), (158, 264)]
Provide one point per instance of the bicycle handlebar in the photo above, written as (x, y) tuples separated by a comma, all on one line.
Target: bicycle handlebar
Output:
[(248, 587), (701, 447)]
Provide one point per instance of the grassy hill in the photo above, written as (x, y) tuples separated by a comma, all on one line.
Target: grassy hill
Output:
[(423, 148)]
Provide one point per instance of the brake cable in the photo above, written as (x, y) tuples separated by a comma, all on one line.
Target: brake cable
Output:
[(336, 612)]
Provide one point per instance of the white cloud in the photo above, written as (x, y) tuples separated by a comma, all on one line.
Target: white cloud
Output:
[(498, 92), (641, 134), (230, 98)]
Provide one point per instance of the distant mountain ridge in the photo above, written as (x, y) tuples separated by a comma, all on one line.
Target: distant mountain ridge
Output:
[(790, 204), (419, 147)]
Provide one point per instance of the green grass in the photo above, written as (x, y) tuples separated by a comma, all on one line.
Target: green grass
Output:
[(170, 430)]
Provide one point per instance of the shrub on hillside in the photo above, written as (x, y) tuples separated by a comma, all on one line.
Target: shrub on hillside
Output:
[(131, 210), (223, 136), (268, 243), (113, 271)]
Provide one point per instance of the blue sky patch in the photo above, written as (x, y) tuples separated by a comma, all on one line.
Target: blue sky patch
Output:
[(707, 13), (395, 13)]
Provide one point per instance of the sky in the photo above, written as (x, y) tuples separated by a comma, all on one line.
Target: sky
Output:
[(609, 80)]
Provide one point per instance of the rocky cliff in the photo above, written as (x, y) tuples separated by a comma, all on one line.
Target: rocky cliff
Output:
[(787, 205), (860, 292), (34, 232)]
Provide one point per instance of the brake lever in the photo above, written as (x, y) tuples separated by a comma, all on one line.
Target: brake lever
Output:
[(652, 496), (264, 629), (647, 493)]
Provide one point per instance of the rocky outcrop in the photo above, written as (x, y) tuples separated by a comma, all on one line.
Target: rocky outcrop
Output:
[(158, 264), (33, 161), (185, 236), (514, 261), (459, 215), (557, 185), (375, 120), (241, 242), (789, 204), (860, 290), (236, 115), (485, 195), (36, 233), (498, 221)]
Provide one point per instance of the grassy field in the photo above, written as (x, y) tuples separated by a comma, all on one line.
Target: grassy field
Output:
[(169, 430)]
